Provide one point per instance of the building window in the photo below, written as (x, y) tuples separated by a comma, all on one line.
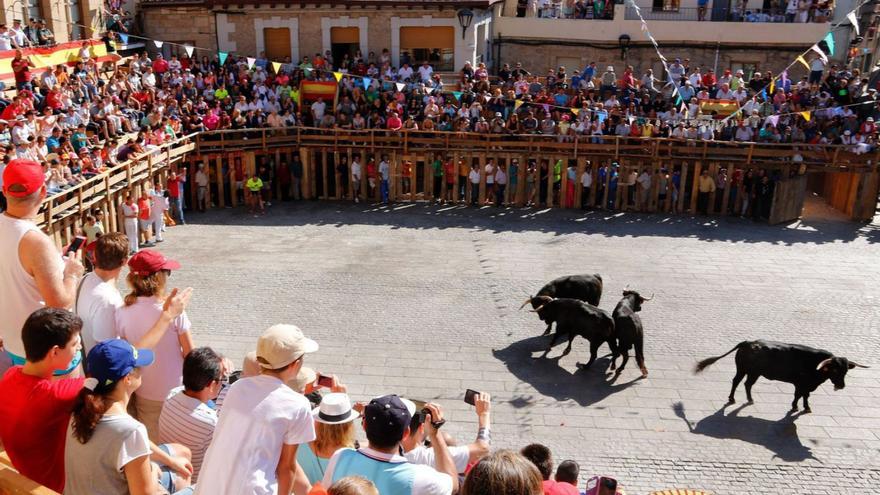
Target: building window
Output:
[(434, 44), (665, 5), (277, 43), (25, 10), (77, 31), (748, 68)]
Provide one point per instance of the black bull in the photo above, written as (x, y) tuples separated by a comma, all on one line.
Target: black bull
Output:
[(574, 317), (587, 288), (804, 367), (628, 329)]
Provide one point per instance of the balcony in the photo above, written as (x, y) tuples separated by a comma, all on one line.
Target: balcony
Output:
[(759, 16), (679, 26)]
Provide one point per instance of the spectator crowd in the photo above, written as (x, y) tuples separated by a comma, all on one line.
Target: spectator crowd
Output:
[(105, 394)]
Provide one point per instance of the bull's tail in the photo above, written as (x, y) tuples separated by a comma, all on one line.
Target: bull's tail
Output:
[(710, 361)]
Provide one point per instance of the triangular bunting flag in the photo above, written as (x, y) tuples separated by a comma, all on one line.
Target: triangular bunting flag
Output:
[(806, 115), (486, 98), (308, 70), (429, 90), (123, 38), (819, 52), (576, 111), (601, 116), (773, 119), (829, 41), (546, 107), (222, 56), (276, 66), (854, 21), (251, 61), (158, 43), (803, 61), (366, 82), (457, 95), (338, 76), (773, 86), (517, 104), (400, 86), (189, 50)]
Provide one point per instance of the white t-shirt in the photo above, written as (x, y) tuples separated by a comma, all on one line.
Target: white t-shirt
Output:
[(427, 480), (461, 454), (260, 414), (426, 72), (356, 170), (96, 305)]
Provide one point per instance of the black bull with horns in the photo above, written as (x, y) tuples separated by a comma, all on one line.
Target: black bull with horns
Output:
[(804, 367), (586, 288)]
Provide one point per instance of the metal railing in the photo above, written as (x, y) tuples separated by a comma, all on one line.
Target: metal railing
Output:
[(716, 15)]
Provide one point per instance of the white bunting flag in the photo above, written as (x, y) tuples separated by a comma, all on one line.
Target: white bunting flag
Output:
[(158, 43), (251, 61), (400, 86), (854, 20), (429, 90), (819, 51), (189, 50)]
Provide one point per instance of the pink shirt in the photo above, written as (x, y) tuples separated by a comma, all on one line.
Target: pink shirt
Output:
[(166, 372)]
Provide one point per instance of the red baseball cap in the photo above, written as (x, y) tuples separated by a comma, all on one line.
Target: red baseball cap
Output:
[(22, 177), (147, 262)]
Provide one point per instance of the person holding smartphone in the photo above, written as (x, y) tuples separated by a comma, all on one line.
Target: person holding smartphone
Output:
[(416, 452)]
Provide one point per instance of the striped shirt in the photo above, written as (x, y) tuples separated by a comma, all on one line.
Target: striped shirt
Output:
[(187, 421)]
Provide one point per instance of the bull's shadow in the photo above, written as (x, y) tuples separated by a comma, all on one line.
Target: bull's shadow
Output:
[(780, 436), (586, 387)]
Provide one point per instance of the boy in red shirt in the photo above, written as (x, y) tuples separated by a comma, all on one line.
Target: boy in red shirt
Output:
[(35, 408), (145, 219)]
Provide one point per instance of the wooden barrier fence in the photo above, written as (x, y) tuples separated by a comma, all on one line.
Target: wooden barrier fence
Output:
[(540, 169)]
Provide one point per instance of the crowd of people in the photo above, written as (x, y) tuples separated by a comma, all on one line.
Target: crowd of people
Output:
[(740, 10), (106, 394), (79, 122)]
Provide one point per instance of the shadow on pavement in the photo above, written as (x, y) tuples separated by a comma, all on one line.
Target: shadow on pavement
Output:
[(423, 215), (780, 436), (586, 387)]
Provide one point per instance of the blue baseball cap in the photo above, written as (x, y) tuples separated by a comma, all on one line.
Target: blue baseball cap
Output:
[(111, 360)]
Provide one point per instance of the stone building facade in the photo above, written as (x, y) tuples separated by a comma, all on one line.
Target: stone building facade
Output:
[(421, 29), (69, 20)]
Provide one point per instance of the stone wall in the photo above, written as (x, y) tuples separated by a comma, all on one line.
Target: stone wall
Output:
[(539, 58), (177, 24)]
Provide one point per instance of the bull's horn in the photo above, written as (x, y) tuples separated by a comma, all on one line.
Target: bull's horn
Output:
[(823, 363), (527, 302), (853, 364), (539, 308), (649, 298)]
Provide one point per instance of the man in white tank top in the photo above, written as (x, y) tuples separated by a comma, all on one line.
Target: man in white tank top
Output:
[(36, 276)]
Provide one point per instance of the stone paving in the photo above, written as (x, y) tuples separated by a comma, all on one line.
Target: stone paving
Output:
[(423, 301)]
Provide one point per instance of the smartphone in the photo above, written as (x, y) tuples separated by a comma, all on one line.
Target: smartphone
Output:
[(325, 381), (470, 397), (75, 245)]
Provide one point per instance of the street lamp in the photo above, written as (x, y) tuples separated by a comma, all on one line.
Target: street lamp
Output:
[(623, 40), (465, 16)]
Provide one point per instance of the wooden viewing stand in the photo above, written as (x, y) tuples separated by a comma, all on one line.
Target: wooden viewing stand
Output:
[(849, 182)]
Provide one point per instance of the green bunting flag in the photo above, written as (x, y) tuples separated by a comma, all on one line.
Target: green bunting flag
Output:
[(222, 56), (457, 95), (829, 41)]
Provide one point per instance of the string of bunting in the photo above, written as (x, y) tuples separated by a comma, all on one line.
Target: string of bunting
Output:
[(828, 40)]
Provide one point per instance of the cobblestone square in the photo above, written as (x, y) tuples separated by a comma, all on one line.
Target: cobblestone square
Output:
[(424, 301)]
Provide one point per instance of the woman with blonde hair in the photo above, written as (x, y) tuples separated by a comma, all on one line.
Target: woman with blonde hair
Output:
[(148, 275), (353, 485), (334, 430)]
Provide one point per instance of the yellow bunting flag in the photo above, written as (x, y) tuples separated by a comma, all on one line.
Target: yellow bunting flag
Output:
[(803, 61), (517, 104), (773, 86), (277, 67), (806, 115), (576, 111), (338, 76)]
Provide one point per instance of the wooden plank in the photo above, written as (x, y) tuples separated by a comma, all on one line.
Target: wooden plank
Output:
[(522, 180), (482, 167), (608, 171), (578, 183), (682, 187), (563, 185), (456, 159), (12, 483), (725, 199), (695, 187), (221, 185), (338, 189), (713, 174)]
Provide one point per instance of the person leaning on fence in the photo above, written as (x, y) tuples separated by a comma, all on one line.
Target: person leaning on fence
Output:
[(386, 422), (254, 186), (36, 275), (35, 408), (705, 187)]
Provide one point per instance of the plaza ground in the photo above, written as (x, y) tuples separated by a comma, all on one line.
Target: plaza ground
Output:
[(423, 301)]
